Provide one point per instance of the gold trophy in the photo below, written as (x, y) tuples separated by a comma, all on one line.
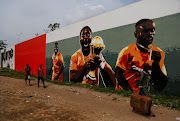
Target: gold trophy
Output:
[(96, 46)]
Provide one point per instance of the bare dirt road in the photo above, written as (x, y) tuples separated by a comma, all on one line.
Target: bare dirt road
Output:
[(19, 102)]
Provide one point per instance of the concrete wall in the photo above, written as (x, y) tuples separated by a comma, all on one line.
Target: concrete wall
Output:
[(123, 16), (117, 28), (32, 52)]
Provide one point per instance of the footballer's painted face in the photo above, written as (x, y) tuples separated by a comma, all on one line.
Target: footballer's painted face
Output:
[(55, 48), (85, 40), (145, 33)]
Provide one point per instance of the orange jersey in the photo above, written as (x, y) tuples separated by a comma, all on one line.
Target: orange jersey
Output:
[(78, 60), (40, 72), (131, 54), (57, 61)]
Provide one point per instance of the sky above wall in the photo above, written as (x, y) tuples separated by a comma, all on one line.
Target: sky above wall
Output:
[(20, 20)]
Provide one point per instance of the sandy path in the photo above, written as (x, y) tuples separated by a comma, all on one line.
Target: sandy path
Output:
[(30, 103)]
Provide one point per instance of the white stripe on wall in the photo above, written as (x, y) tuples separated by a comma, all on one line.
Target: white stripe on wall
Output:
[(126, 15)]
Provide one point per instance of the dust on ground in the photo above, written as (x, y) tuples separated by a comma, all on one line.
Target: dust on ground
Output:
[(20, 102)]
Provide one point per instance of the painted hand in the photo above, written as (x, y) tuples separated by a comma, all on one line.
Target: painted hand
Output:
[(156, 56)]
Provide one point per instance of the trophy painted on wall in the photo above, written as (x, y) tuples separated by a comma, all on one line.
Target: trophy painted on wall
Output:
[(96, 47)]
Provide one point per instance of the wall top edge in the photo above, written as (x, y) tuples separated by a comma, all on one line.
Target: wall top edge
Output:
[(123, 16)]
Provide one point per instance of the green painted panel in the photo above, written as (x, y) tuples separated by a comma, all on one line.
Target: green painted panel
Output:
[(116, 39), (167, 31)]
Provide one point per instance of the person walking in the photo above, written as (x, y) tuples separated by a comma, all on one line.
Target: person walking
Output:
[(27, 74), (41, 75)]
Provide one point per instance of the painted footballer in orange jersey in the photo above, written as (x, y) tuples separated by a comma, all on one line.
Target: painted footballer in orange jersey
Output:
[(131, 59), (57, 65), (85, 66), (77, 62)]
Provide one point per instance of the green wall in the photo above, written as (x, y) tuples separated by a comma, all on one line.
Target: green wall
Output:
[(115, 39)]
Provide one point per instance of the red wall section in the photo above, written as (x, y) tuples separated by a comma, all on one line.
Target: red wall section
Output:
[(33, 52)]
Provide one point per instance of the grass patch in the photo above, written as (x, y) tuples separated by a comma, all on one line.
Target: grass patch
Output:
[(13, 74), (114, 98), (172, 102)]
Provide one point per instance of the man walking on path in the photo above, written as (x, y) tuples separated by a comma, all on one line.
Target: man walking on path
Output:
[(27, 74), (41, 75)]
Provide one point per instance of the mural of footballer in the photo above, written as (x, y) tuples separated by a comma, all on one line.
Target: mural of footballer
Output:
[(86, 69), (11, 58), (132, 58), (57, 64)]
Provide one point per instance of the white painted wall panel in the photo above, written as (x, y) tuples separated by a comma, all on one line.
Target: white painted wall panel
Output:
[(119, 17)]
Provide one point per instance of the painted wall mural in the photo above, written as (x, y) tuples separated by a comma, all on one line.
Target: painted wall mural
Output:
[(117, 30), (117, 38), (7, 57), (57, 64)]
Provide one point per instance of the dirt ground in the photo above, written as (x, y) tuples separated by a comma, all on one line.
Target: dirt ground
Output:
[(19, 102)]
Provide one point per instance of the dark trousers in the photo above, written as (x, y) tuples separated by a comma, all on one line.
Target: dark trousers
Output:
[(41, 78)]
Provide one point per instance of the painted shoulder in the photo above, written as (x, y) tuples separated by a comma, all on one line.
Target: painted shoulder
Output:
[(155, 48), (78, 52), (59, 54), (129, 47)]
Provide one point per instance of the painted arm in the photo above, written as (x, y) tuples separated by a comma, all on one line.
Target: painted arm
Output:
[(60, 71), (106, 71), (121, 79), (77, 76), (159, 79), (108, 76)]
